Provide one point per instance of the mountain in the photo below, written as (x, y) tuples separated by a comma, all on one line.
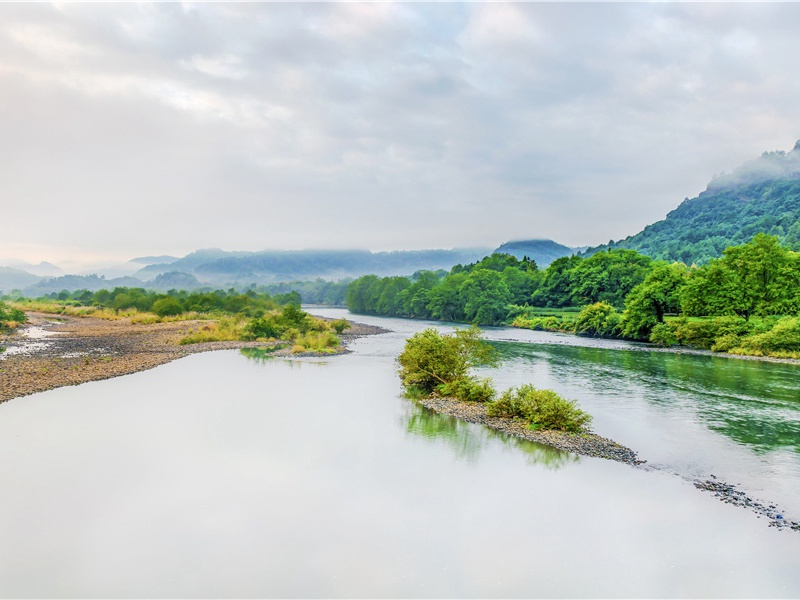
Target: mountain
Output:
[(217, 267), (77, 282), (154, 260), (763, 195), (11, 279), (542, 251)]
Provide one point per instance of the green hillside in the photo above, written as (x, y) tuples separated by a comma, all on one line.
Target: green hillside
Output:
[(542, 252), (762, 195)]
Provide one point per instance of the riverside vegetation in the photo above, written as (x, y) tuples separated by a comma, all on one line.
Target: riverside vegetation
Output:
[(228, 316), (432, 364), (745, 302)]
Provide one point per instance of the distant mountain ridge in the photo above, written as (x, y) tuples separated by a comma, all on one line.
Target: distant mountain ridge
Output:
[(542, 251), (762, 195), (221, 267)]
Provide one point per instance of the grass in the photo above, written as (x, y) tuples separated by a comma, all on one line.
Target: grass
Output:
[(227, 329)]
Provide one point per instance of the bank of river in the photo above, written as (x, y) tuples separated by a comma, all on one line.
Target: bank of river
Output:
[(55, 350), (226, 475)]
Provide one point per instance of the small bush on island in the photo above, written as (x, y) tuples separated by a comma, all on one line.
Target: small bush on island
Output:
[(339, 325), (432, 363), (430, 359), (543, 409), (468, 389)]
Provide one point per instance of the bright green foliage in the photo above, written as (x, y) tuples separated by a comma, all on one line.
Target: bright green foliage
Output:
[(468, 389), (608, 277), (476, 293), (487, 297), (10, 315), (167, 306), (764, 196), (658, 295), (288, 324), (783, 337), (599, 319), (706, 332), (555, 289), (339, 325), (543, 409), (663, 335), (756, 279), (430, 359), (445, 301)]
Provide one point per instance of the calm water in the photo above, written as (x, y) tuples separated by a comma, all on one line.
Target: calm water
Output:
[(228, 475)]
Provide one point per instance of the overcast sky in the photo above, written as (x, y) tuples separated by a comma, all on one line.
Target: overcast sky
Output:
[(131, 129)]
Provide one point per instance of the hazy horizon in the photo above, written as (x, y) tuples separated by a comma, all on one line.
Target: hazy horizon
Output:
[(149, 129)]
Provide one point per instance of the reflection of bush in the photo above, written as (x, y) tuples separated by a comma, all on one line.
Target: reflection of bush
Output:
[(260, 354), (467, 440)]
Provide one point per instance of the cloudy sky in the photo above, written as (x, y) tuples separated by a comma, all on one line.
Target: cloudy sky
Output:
[(130, 129)]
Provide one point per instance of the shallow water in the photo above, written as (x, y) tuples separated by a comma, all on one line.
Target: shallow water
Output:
[(224, 475)]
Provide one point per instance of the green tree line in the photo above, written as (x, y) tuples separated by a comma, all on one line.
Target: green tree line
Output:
[(724, 305)]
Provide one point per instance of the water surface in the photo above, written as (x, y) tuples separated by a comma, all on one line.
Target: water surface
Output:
[(223, 475)]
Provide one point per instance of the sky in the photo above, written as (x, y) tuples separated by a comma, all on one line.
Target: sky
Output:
[(139, 129)]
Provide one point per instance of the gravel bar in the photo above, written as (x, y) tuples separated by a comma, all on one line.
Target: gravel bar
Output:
[(586, 444), (73, 350)]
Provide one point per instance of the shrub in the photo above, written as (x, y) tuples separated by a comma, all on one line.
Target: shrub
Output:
[(783, 337), (599, 319), (726, 343), (430, 359), (663, 335), (543, 409), (339, 325), (10, 317), (322, 341), (469, 389), (167, 307)]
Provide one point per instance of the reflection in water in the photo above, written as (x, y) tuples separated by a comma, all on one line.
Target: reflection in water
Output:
[(260, 354), (467, 440), (752, 403)]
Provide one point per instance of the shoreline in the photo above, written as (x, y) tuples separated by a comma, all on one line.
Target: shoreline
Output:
[(70, 350), (585, 444)]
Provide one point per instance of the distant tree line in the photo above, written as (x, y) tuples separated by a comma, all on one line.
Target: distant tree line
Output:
[(752, 290), (176, 302)]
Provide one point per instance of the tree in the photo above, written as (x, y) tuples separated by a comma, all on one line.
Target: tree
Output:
[(608, 277), (167, 306), (430, 359), (648, 302), (486, 297)]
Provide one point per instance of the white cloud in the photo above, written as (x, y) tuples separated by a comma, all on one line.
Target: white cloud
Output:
[(163, 128)]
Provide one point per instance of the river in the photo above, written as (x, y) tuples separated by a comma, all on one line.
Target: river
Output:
[(226, 474)]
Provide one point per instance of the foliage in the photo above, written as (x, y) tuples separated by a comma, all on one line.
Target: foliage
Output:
[(758, 278), (10, 316), (608, 277), (784, 337), (468, 389), (316, 341), (541, 408), (339, 325), (430, 358), (599, 319), (764, 196), (648, 303)]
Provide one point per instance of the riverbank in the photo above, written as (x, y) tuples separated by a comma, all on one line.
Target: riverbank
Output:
[(586, 444), (55, 350)]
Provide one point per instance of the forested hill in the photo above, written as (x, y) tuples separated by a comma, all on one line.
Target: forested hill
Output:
[(542, 252), (221, 267), (762, 195)]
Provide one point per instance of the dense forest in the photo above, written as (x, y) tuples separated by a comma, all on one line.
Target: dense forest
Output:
[(747, 301), (761, 196)]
